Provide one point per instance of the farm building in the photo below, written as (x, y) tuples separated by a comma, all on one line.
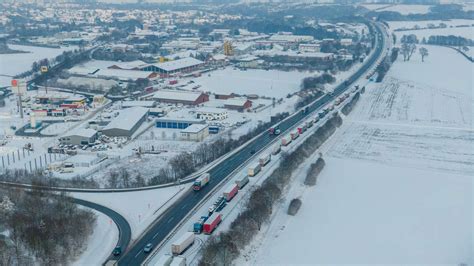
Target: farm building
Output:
[(126, 123), (180, 97), (195, 132), (83, 136)]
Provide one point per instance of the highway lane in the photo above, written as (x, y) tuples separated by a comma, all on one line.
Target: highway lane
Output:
[(173, 215)]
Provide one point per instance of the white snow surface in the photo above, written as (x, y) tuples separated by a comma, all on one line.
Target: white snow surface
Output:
[(397, 187)]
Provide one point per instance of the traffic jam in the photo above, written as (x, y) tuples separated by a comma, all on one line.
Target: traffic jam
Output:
[(212, 218)]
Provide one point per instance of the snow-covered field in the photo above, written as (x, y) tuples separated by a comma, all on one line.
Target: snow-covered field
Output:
[(13, 64), (408, 9), (424, 23), (466, 32), (397, 187), (271, 83)]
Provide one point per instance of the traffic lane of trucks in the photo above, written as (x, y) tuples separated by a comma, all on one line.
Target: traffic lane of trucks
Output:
[(214, 216)]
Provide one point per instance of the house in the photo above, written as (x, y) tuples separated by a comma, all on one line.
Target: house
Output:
[(83, 136)]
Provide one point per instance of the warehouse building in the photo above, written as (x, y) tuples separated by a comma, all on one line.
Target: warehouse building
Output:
[(83, 136), (178, 123), (131, 104), (166, 69), (180, 97), (126, 123), (195, 132), (238, 104)]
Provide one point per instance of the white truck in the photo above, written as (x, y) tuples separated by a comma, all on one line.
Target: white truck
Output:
[(180, 245), (276, 149), (254, 169), (165, 260), (286, 140), (265, 159), (178, 261), (242, 181), (201, 181)]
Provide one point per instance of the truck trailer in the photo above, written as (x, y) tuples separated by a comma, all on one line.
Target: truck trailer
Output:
[(265, 159), (201, 181), (165, 260), (180, 245), (178, 261), (230, 192), (253, 170), (212, 223), (242, 181), (276, 149), (295, 134), (286, 140)]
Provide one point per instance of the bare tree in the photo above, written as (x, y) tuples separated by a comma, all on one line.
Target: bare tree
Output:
[(423, 52), (407, 50)]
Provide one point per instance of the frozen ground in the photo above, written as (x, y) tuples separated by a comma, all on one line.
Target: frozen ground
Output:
[(12, 64), (271, 83), (100, 243), (397, 187)]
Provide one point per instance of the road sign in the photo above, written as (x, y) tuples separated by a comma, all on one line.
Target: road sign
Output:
[(18, 86), (14, 83), (44, 69)]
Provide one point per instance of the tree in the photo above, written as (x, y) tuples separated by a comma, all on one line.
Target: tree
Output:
[(407, 50), (423, 52)]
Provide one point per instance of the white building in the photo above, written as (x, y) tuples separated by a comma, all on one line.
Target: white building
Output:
[(195, 132), (210, 114)]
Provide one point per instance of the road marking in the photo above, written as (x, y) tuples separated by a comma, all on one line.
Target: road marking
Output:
[(138, 253), (184, 206), (155, 235), (169, 221)]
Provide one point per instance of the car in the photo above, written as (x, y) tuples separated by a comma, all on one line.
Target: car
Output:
[(252, 152), (117, 251), (148, 248)]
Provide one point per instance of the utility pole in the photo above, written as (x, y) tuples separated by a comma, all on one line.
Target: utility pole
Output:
[(44, 70)]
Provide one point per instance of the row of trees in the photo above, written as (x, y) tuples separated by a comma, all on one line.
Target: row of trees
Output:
[(223, 248), (43, 228)]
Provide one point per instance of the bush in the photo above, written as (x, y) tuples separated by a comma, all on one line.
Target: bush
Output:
[(294, 207), (350, 105), (313, 172)]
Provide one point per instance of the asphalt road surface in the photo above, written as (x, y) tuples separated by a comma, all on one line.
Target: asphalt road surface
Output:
[(173, 215)]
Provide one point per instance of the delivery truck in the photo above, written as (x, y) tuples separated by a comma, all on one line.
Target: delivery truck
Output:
[(178, 261), (184, 242), (265, 159), (254, 169), (197, 227), (230, 192), (242, 181), (211, 223), (286, 140), (201, 181), (295, 134)]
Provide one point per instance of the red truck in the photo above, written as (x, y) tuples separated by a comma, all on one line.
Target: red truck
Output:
[(230, 192), (173, 82), (212, 223)]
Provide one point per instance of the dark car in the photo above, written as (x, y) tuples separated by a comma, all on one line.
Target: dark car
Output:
[(252, 152), (117, 251)]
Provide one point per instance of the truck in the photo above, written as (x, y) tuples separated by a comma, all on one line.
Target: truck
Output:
[(178, 261), (274, 131), (242, 181), (184, 242), (201, 181), (173, 82), (265, 159), (197, 227), (230, 192), (164, 260), (286, 140), (212, 222), (301, 129), (309, 123), (276, 149), (316, 119), (295, 134), (254, 169)]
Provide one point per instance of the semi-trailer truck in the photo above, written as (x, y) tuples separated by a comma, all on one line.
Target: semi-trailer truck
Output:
[(212, 222), (295, 134), (197, 228), (230, 192), (180, 245), (242, 181), (265, 159), (276, 149), (178, 261), (254, 169), (201, 181)]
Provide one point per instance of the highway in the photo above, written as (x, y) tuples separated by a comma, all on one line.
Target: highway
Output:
[(174, 214)]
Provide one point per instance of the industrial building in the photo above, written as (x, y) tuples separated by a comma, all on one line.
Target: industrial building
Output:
[(146, 104), (126, 123), (195, 132), (178, 123), (180, 97), (83, 136), (183, 65), (238, 104)]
